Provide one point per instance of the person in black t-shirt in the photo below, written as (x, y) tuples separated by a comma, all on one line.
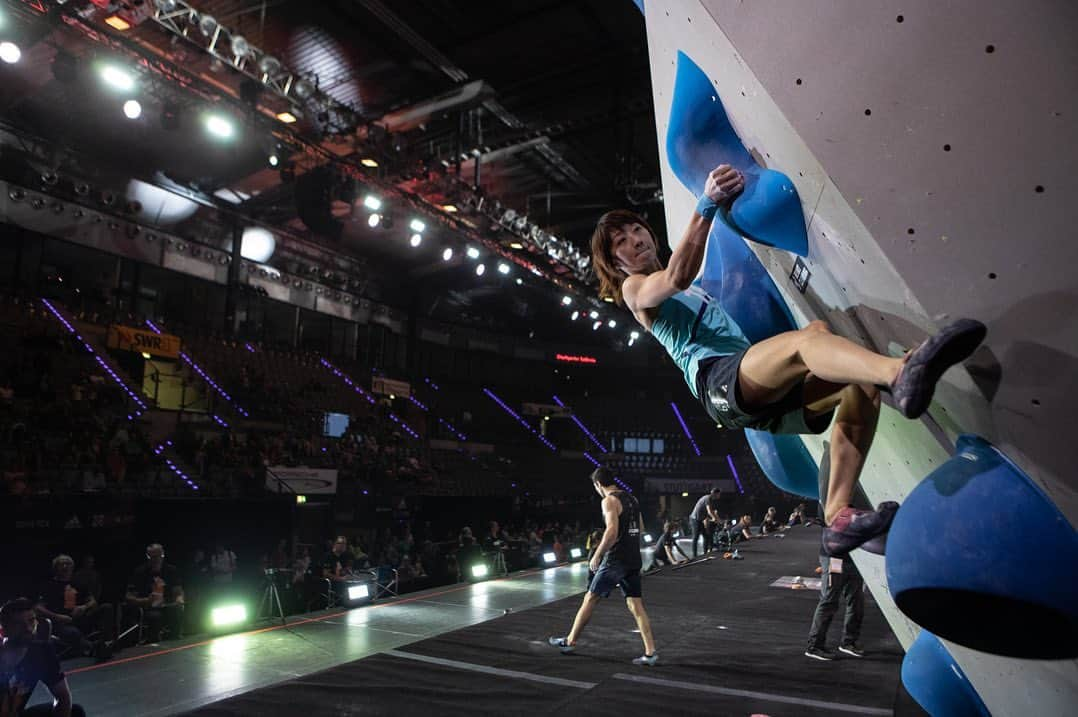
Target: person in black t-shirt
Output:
[(73, 612), (24, 662), (155, 587), (704, 517), (665, 547), (616, 562)]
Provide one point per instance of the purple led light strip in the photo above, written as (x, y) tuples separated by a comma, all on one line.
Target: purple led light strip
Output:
[(733, 470), (582, 427), (172, 466), (449, 425), (685, 428), (220, 420), (594, 440), (415, 400), (341, 375), (520, 420), (205, 376), (370, 399), (101, 362)]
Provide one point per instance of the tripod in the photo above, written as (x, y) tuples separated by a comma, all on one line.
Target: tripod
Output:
[(270, 598)]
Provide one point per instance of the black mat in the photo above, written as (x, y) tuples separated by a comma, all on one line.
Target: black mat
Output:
[(717, 624)]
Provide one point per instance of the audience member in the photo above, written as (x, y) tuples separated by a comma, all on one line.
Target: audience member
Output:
[(222, 564), (154, 587), (74, 615)]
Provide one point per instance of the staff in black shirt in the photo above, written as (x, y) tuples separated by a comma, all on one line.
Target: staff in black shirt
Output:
[(155, 587), (704, 518), (616, 562)]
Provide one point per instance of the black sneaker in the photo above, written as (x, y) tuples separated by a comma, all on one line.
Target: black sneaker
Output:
[(916, 382), (852, 649), (562, 644), (820, 653), (853, 528)]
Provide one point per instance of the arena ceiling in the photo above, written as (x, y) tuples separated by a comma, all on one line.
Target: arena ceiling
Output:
[(527, 118)]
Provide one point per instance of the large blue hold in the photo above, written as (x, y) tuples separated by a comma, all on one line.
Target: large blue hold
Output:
[(933, 678), (699, 139), (980, 556)]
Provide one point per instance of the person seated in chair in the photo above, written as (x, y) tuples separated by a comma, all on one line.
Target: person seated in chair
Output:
[(24, 662), (155, 587), (74, 614), (337, 567)]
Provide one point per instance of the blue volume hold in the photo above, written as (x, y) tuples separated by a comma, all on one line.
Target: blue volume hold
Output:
[(700, 138), (980, 556), (933, 678)]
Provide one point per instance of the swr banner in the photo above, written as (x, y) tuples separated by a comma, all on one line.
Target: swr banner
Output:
[(127, 338)]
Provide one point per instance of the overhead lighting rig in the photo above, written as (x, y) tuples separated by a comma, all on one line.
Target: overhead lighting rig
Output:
[(201, 29)]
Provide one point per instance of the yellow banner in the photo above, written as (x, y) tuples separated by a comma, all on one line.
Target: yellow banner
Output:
[(126, 338)]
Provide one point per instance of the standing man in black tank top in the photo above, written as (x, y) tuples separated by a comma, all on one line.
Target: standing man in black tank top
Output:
[(616, 562)]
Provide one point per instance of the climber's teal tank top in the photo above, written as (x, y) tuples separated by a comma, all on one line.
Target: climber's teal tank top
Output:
[(692, 326)]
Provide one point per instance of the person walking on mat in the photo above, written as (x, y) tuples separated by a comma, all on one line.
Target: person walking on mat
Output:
[(616, 562)]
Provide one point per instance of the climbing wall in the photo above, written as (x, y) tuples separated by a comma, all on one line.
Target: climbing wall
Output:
[(932, 146)]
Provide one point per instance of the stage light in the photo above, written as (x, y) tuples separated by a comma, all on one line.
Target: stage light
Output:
[(684, 495), (451, 208), (593, 314), (218, 126), (368, 162), (240, 46), (520, 281), (273, 160), (159, 206), (228, 615), (612, 324), (117, 23), (374, 220), (358, 592), (302, 89), (634, 335), (503, 268), (549, 558), (301, 499), (269, 66), (416, 239), (576, 553), (372, 202), (575, 315), (258, 244), (206, 25), (596, 325), (480, 570), (472, 252), (117, 78), (516, 245), (417, 225), (648, 539), (132, 109), (10, 52), (145, 356), (286, 117), (165, 6), (479, 270), (447, 254), (566, 300)]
